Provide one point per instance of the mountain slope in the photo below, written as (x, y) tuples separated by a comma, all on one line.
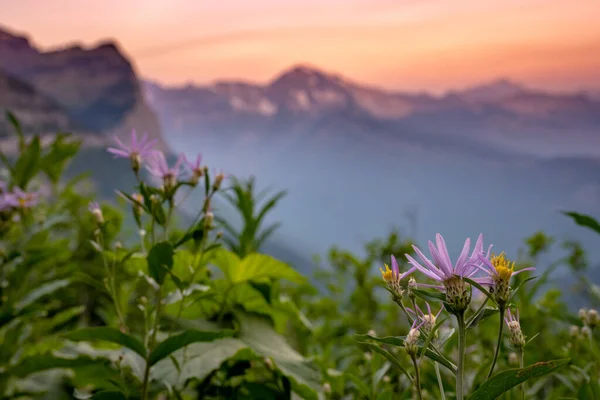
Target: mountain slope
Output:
[(97, 88)]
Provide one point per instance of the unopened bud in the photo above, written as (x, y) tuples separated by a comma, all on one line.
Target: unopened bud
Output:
[(574, 331), (269, 363), (142, 232), (143, 300), (516, 335), (372, 333), (118, 245), (412, 284), (410, 344), (218, 180), (386, 379), (327, 387), (586, 332), (583, 314), (155, 199), (368, 356), (219, 235), (513, 359), (208, 219), (592, 318)]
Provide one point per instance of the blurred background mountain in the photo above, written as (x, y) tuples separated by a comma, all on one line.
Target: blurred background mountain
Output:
[(500, 157)]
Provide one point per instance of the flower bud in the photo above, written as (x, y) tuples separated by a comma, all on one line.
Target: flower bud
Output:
[(386, 379), (586, 332), (583, 315), (412, 284), (410, 344), (269, 363), (368, 356), (516, 335), (513, 359), (208, 219), (219, 235), (592, 318), (218, 180), (327, 387), (574, 331), (372, 333)]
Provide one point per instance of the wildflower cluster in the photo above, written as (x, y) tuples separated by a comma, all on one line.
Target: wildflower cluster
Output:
[(455, 283)]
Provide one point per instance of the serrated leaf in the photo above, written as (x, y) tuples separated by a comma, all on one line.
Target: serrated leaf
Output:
[(176, 342), (160, 261), (108, 334), (389, 356), (508, 379)]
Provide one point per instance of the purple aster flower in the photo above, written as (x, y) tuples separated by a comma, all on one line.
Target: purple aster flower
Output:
[(136, 151), (514, 328), (443, 269), (392, 277), (195, 167), (3, 186), (157, 165), (499, 270), (428, 319), (20, 199)]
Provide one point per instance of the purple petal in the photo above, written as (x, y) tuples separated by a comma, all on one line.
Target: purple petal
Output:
[(463, 256), (428, 263), (443, 251), (524, 269), (427, 272), (395, 269), (117, 152), (447, 271), (134, 142), (121, 145), (408, 272), (427, 285)]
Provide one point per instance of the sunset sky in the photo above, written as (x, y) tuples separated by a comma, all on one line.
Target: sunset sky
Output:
[(401, 44)]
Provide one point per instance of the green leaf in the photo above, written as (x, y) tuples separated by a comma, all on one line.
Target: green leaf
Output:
[(516, 289), (39, 292), (429, 295), (109, 395), (481, 289), (482, 316), (43, 362), (390, 357), (160, 261), (255, 267), (362, 387), (12, 119), (108, 334), (28, 163), (508, 379), (583, 220), (176, 342)]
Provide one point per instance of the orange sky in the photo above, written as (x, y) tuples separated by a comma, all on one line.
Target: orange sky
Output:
[(402, 44)]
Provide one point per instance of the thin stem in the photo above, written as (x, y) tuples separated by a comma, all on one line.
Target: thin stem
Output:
[(521, 365), (417, 377), (462, 341), (151, 343), (498, 343), (439, 379)]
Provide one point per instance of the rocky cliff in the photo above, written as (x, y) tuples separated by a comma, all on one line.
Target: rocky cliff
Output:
[(94, 92)]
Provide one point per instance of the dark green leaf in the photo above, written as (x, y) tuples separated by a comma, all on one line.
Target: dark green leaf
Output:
[(508, 379), (160, 261), (362, 387), (516, 289), (108, 334), (28, 164), (176, 342), (482, 316), (12, 119), (40, 291), (109, 395), (429, 295), (481, 289), (390, 357), (583, 220), (43, 362)]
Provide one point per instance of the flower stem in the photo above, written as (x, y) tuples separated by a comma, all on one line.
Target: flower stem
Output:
[(417, 377), (499, 343), (439, 379), (462, 341), (521, 365), (152, 343)]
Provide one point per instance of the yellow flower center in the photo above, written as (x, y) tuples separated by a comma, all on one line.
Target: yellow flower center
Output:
[(388, 274), (504, 267)]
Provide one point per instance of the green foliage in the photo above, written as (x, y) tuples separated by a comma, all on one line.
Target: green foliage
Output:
[(91, 307)]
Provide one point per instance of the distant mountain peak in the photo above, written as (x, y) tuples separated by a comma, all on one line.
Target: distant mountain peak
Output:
[(302, 74), (496, 90)]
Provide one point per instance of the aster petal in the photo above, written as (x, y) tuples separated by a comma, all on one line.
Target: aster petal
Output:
[(395, 269), (443, 251), (484, 280), (427, 285), (522, 270), (490, 268), (134, 142), (446, 270), (428, 263), (424, 270), (463, 256), (121, 145), (117, 152), (429, 273), (408, 272), (147, 147)]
